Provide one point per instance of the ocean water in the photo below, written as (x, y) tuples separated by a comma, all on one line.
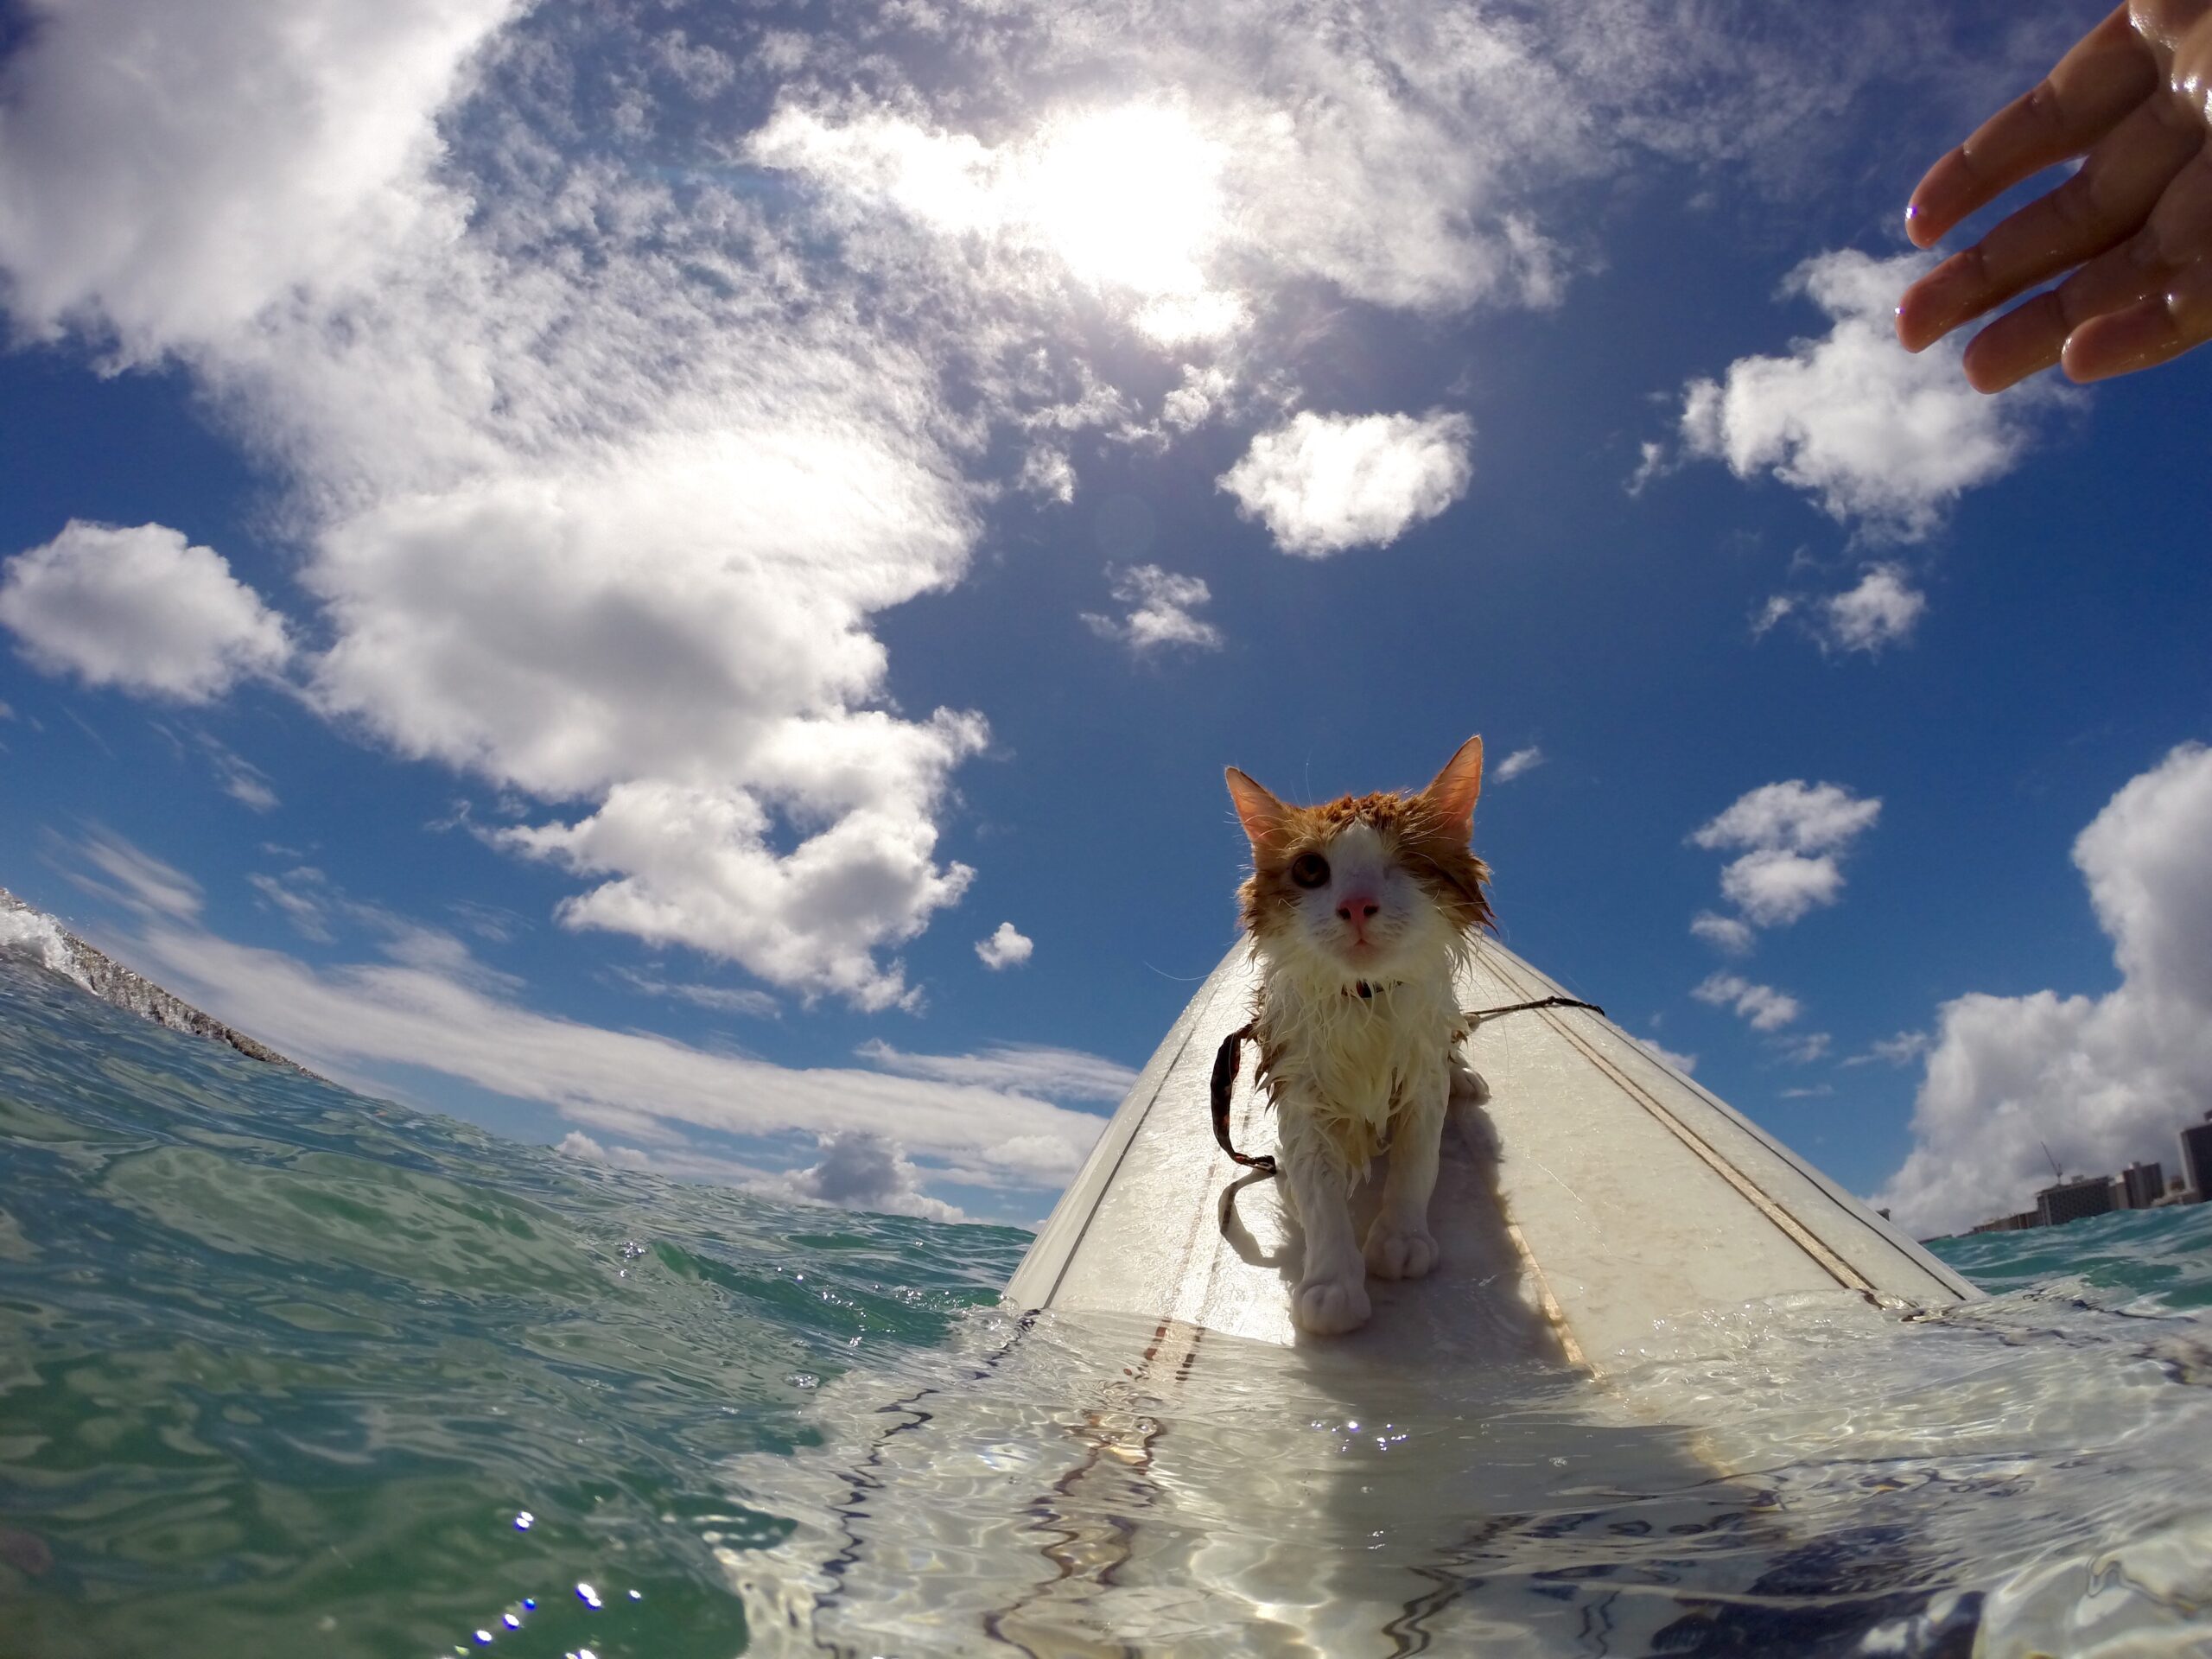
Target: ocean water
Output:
[(285, 1370)]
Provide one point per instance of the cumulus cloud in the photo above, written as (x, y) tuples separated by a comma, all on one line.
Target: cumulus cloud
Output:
[(1880, 611), (2102, 1080), (1520, 761), (1324, 483), (864, 1169), (1773, 887), (1727, 933), (1884, 439), (1005, 948), (140, 609), (1161, 611), (1765, 1007), (1796, 835), (695, 867)]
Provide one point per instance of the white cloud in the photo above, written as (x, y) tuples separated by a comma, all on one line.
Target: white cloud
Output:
[(577, 1144), (1774, 888), (1684, 1064), (1901, 1050), (1520, 761), (1128, 197), (144, 884), (1883, 439), (1723, 932), (719, 998), (695, 867), (2102, 1080), (1791, 816), (1024, 1068), (1766, 1009), (1880, 611), (1005, 948), (1796, 834), (864, 1169), (439, 1016), (243, 781), (1325, 483), (171, 169), (1804, 1050), (1778, 606), (1162, 606), (140, 609), (684, 1163)]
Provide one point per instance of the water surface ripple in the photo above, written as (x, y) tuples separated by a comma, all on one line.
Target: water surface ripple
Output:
[(283, 1369)]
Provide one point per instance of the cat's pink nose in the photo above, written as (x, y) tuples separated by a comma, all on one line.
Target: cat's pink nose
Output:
[(1359, 909)]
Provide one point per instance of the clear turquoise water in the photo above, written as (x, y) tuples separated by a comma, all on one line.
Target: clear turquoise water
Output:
[(281, 1369)]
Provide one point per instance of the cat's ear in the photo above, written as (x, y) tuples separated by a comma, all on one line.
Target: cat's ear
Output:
[(1260, 812), (1457, 787)]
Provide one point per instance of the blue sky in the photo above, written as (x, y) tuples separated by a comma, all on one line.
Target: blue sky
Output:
[(573, 563)]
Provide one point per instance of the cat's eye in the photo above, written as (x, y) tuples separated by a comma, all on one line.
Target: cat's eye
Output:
[(1309, 870)]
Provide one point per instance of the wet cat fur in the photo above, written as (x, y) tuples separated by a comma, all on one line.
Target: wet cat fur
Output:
[(1358, 1020)]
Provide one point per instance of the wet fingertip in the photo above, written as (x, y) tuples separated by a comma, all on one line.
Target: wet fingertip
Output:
[(1979, 374)]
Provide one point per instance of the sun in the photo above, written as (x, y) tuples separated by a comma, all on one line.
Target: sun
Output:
[(1130, 198)]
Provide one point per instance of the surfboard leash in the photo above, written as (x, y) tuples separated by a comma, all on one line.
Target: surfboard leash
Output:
[(1229, 1058)]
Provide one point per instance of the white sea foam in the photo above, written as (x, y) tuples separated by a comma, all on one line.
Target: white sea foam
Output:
[(29, 932)]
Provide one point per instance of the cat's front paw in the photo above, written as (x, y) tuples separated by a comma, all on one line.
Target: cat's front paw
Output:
[(1329, 1307), (1395, 1254)]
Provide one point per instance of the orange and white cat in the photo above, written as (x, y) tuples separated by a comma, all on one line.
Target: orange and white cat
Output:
[(1360, 913)]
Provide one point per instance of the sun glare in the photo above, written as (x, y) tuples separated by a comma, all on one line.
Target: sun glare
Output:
[(1130, 197)]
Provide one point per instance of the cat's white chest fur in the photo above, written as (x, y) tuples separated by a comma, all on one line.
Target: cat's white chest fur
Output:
[(1345, 1067)]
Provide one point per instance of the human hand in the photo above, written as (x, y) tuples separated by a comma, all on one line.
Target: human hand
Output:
[(2134, 223)]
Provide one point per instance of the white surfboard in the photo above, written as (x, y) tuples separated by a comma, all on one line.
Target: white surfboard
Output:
[(1159, 1463), (1627, 1197)]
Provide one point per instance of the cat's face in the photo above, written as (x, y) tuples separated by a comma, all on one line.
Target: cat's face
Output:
[(1366, 888)]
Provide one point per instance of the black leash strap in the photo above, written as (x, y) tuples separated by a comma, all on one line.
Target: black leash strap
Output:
[(1226, 1059), (1230, 1056)]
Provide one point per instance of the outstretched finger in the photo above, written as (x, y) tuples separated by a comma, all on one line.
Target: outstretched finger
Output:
[(2091, 88), (2146, 334), (2031, 337), (2114, 193)]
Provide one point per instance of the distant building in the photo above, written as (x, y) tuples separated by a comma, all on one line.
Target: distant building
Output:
[(2012, 1224), (2075, 1200), (2196, 1156), (2143, 1185)]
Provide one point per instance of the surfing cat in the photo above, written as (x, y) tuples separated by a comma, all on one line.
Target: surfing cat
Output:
[(1360, 913)]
